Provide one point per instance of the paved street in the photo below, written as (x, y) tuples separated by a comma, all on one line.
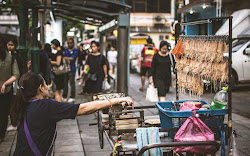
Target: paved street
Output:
[(76, 137)]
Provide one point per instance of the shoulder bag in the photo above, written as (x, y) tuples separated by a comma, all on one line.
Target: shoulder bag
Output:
[(63, 68)]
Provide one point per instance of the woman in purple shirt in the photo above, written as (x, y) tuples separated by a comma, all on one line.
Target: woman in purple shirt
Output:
[(37, 115)]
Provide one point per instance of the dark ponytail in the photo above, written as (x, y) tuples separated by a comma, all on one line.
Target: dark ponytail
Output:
[(28, 85)]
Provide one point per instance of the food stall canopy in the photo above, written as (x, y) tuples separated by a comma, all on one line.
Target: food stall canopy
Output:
[(94, 12)]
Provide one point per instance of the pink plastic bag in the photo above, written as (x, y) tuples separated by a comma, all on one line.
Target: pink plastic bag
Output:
[(193, 129), (189, 105)]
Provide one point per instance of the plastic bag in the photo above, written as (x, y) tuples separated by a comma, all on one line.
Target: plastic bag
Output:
[(105, 85), (193, 129), (152, 94), (190, 106)]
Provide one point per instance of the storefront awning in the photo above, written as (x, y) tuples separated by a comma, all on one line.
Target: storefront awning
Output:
[(95, 12)]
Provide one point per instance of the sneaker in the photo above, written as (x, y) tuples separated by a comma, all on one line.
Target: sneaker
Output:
[(71, 100), (12, 128), (64, 99)]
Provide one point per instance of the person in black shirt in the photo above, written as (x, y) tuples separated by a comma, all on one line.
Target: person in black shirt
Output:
[(56, 60), (160, 72), (41, 115), (96, 62), (81, 57)]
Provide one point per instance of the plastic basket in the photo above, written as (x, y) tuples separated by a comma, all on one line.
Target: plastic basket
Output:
[(174, 119)]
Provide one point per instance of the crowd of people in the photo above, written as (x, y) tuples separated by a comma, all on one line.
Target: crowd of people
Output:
[(25, 95), (90, 65)]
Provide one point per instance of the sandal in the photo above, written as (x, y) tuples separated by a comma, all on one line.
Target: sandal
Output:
[(141, 89)]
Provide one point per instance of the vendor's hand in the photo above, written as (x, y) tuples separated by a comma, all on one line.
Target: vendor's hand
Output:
[(150, 80), (3, 88), (127, 100)]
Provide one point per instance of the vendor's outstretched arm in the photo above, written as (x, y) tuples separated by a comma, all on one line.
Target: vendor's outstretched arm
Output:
[(90, 107)]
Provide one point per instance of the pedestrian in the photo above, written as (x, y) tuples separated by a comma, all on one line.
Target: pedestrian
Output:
[(9, 73), (96, 62), (70, 54), (37, 115), (11, 47), (147, 55), (81, 58), (47, 49), (56, 60), (160, 73), (112, 59), (45, 66)]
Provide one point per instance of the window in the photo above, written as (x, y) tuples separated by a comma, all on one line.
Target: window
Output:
[(166, 37), (139, 6), (165, 6), (239, 44), (161, 37), (152, 6)]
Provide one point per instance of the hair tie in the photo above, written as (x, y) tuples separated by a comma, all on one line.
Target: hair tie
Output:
[(21, 87)]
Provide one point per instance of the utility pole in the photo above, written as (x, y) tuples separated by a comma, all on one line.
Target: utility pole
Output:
[(42, 16), (22, 48), (123, 53), (35, 51)]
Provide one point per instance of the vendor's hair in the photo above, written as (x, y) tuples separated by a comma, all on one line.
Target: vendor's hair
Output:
[(55, 42), (165, 43), (28, 84)]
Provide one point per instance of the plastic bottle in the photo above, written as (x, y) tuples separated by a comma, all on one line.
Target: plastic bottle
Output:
[(220, 99)]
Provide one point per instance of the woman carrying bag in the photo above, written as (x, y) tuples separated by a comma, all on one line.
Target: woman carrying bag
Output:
[(56, 60), (160, 72), (96, 63), (37, 116)]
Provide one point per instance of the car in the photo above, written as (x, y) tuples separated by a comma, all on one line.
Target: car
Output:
[(240, 60)]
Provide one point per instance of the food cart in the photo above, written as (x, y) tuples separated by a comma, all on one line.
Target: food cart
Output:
[(210, 50), (122, 120)]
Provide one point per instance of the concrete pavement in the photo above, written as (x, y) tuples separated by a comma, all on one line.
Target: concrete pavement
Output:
[(76, 137)]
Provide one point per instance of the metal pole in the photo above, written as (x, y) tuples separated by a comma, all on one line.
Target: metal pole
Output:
[(102, 44), (177, 31), (22, 49), (122, 79), (230, 77), (42, 15), (173, 9), (35, 55)]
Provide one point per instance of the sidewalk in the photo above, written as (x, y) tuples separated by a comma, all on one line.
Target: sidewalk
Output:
[(76, 137)]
